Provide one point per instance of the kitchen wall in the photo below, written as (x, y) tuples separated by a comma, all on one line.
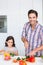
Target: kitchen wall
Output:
[(16, 11)]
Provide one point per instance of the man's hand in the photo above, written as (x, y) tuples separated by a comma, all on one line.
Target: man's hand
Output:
[(26, 44), (31, 53)]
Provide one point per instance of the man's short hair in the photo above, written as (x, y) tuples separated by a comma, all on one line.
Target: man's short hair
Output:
[(33, 11)]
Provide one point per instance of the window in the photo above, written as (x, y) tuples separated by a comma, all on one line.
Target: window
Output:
[(3, 24)]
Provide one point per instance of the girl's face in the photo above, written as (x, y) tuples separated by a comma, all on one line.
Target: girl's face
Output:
[(10, 43), (32, 18)]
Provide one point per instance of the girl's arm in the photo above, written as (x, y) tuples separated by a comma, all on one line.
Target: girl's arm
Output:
[(2, 51), (16, 53)]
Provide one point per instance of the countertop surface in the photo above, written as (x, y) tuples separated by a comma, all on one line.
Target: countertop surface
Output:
[(38, 61)]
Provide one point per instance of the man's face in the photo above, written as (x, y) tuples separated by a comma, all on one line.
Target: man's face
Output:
[(32, 18)]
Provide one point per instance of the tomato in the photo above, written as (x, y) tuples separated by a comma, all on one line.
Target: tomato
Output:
[(21, 62), (7, 58), (14, 60), (32, 59)]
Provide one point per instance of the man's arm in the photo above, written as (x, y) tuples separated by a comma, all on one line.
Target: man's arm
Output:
[(36, 50), (24, 39), (26, 44)]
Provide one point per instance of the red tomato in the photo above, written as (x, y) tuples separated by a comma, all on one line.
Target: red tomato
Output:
[(14, 60), (21, 62), (32, 59)]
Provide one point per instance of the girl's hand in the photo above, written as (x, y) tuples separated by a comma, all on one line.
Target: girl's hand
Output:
[(2, 51)]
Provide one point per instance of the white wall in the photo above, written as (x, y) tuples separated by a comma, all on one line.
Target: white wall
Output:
[(37, 5), (16, 11)]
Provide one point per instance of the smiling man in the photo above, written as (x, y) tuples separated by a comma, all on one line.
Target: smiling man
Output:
[(32, 34)]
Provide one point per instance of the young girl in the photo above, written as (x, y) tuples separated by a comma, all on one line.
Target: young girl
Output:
[(10, 46)]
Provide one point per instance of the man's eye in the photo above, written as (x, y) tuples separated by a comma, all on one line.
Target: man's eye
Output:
[(33, 17)]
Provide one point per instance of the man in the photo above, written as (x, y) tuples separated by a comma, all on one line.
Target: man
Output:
[(32, 34)]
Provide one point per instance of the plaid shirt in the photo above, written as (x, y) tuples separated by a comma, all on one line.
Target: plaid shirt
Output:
[(34, 37)]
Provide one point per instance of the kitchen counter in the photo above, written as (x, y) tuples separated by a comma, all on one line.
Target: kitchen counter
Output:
[(38, 61)]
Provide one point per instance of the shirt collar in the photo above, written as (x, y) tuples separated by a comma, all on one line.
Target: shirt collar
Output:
[(36, 25)]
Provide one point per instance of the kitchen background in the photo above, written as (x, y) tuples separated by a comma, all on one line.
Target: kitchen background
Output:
[(14, 14)]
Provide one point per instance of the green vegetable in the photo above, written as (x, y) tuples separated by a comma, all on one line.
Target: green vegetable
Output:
[(27, 57), (12, 54), (41, 56), (18, 58), (23, 58)]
